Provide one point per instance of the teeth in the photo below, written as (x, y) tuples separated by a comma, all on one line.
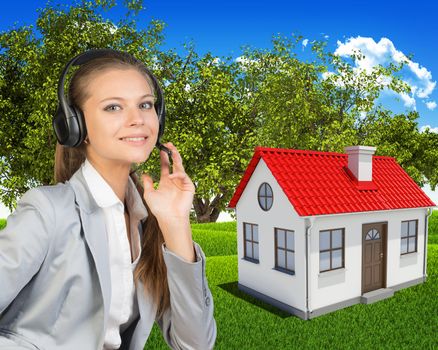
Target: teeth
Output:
[(133, 138)]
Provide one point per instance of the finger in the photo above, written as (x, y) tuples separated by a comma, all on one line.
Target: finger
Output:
[(181, 181), (148, 184), (176, 157)]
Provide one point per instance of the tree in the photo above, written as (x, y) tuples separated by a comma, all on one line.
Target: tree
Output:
[(31, 59), (206, 118), (211, 122), (398, 136), (218, 109), (313, 105), (328, 104)]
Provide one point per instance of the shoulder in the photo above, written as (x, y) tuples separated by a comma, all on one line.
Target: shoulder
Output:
[(44, 196), (48, 199)]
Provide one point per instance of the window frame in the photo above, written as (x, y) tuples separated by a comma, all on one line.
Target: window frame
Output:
[(252, 241), (409, 236), (285, 249), (331, 249), (265, 197)]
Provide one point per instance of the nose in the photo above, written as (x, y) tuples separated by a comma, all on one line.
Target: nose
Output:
[(135, 117)]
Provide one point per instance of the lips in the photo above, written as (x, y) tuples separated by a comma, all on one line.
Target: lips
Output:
[(133, 138)]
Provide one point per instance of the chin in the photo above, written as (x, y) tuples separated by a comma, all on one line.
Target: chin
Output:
[(140, 158)]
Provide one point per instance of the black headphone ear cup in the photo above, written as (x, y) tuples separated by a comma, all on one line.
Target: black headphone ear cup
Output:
[(82, 128), (69, 130), (60, 126)]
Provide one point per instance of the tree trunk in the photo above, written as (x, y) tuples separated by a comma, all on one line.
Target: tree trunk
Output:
[(205, 210)]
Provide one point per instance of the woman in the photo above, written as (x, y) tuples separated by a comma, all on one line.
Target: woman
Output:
[(93, 261)]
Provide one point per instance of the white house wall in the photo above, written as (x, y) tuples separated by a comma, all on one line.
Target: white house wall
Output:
[(339, 285), (262, 277)]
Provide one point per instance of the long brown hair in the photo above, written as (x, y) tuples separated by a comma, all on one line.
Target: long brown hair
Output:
[(151, 269)]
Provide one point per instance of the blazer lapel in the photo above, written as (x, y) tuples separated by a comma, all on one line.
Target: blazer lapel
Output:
[(93, 225)]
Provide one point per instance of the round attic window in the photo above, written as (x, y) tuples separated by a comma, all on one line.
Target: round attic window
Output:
[(265, 196)]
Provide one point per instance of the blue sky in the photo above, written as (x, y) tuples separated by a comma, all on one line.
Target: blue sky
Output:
[(384, 30)]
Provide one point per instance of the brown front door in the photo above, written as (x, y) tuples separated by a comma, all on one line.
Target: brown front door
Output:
[(373, 256)]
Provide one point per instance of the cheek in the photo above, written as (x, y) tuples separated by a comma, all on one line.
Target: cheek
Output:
[(100, 129), (154, 124)]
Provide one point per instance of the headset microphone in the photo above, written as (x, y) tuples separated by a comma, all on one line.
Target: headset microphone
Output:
[(161, 147)]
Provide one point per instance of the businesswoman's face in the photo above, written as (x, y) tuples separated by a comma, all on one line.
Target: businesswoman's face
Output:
[(122, 124)]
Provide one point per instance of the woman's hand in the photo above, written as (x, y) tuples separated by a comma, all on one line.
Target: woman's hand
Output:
[(171, 203)]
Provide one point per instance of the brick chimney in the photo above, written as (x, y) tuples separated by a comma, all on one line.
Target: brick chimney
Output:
[(360, 162)]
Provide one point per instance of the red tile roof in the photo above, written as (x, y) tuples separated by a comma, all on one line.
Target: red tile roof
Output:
[(319, 183)]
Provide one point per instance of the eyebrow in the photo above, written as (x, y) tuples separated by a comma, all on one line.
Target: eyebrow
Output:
[(122, 99)]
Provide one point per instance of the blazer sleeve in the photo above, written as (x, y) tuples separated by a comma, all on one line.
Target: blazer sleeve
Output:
[(189, 322), (23, 244)]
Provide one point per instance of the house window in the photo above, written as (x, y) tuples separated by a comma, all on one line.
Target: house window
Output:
[(409, 235), (331, 249), (284, 251), (372, 235), (251, 242), (266, 197)]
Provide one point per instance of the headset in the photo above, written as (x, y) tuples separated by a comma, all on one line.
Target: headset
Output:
[(68, 120)]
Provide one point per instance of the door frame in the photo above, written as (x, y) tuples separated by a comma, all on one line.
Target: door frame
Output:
[(384, 250)]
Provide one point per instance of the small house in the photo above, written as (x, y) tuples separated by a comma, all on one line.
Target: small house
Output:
[(320, 231)]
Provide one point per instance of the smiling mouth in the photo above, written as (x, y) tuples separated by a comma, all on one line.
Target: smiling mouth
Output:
[(133, 139)]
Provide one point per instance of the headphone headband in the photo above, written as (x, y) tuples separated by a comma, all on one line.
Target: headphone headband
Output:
[(68, 121)]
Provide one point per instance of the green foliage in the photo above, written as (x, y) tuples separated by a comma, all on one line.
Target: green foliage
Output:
[(2, 223), (210, 124), (398, 136)]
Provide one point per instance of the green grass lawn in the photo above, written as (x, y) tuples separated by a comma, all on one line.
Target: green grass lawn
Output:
[(408, 320)]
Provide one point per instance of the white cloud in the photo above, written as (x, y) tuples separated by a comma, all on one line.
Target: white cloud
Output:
[(424, 127), (112, 27), (408, 101), (245, 62), (384, 53), (431, 105), (241, 59), (305, 42)]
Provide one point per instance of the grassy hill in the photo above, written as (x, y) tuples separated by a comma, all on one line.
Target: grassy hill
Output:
[(408, 320)]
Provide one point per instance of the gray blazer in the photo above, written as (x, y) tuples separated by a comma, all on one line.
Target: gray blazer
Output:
[(55, 286)]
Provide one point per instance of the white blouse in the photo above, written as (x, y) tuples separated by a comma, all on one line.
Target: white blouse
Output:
[(123, 258)]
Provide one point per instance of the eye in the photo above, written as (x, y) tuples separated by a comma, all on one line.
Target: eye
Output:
[(147, 105), (112, 108)]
